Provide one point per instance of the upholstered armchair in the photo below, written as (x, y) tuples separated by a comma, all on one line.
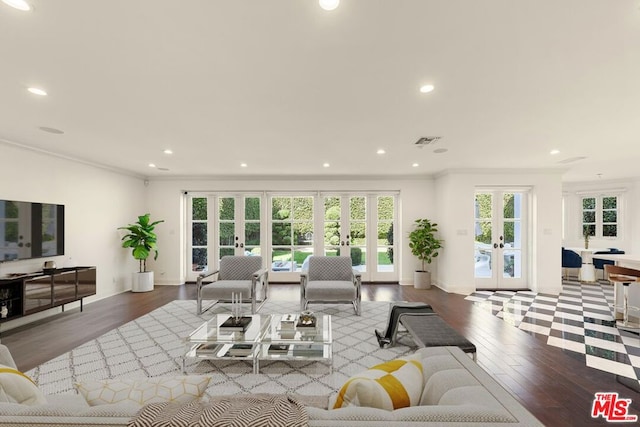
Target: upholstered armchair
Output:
[(330, 279), (570, 259), (242, 275)]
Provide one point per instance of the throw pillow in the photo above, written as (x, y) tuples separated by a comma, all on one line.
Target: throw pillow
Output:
[(16, 387), (181, 389), (391, 385)]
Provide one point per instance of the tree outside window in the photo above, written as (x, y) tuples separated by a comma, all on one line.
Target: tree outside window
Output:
[(600, 216)]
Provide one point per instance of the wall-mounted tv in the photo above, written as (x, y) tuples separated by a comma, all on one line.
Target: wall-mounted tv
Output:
[(30, 230)]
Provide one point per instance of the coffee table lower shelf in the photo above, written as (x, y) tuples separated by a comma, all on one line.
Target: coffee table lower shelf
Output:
[(301, 345)]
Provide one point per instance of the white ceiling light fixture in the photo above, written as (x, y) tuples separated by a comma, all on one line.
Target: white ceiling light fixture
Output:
[(152, 165), (427, 88), (381, 151), (329, 4), (243, 165), (325, 165), (554, 152), (168, 151), (18, 4), (415, 165), (37, 91)]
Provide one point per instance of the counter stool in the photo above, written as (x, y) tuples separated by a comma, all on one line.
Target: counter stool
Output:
[(624, 276)]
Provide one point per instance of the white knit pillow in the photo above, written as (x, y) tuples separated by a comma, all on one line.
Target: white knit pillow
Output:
[(181, 389), (16, 387), (391, 385)]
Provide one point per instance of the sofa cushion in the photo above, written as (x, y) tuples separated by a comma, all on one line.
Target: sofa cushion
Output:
[(391, 385), (182, 389), (16, 387)]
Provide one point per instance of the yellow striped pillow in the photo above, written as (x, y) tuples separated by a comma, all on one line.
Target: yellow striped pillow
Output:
[(391, 385), (16, 387)]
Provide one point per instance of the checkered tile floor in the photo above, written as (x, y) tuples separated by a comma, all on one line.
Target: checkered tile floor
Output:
[(579, 320)]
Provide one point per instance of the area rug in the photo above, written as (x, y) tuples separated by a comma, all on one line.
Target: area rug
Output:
[(152, 345)]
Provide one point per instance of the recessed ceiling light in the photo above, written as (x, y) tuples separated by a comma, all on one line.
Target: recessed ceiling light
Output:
[(167, 151), (152, 165), (37, 91), (329, 4), (51, 130), (415, 165), (243, 165), (426, 88), (381, 151), (18, 4), (440, 150), (554, 152), (325, 165)]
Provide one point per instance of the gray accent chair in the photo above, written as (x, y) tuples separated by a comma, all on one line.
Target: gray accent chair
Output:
[(330, 279), (237, 274)]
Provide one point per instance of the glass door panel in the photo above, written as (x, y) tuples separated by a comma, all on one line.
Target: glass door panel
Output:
[(356, 242), (384, 243), (483, 253), (227, 237), (199, 237), (332, 225), (252, 240), (291, 232)]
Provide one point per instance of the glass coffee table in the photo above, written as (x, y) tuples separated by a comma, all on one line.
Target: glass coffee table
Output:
[(211, 342), (266, 338), (283, 340)]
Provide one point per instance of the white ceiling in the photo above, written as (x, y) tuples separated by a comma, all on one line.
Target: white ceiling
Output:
[(285, 86)]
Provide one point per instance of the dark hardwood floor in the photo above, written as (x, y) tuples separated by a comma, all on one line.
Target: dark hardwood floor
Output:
[(554, 385)]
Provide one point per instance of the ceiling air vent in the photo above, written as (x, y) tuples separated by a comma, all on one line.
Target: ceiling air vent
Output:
[(572, 160), (427, 140)]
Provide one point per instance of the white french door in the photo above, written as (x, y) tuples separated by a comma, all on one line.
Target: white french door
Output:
[(501, 235), (361, 227), (222, 225), (287, 228)]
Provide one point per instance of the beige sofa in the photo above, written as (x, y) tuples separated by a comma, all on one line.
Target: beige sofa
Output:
[(457, 392)]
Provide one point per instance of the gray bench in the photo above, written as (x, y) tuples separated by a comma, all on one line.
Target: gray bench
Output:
[(429, 330), (425, 327)]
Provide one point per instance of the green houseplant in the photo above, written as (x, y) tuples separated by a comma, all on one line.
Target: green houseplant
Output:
[(424, 244), (142, 240)]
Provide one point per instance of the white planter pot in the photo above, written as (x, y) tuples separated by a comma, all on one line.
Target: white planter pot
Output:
[(422, 280), (142, 282)]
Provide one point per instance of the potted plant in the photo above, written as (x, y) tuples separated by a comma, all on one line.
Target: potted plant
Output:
[(424, 244), (142, 241)]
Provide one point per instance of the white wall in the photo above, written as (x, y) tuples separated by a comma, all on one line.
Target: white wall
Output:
[(96, 202), (455, 216), (166, 196)]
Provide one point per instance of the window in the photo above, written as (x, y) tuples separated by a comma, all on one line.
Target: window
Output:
[(600, 216)]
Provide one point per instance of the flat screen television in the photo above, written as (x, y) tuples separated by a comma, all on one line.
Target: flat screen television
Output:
[(30, 230)]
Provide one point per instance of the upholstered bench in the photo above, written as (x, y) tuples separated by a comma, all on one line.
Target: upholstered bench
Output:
[(429, 330)]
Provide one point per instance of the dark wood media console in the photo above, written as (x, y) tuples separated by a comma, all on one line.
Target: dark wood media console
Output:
[(26, 294)]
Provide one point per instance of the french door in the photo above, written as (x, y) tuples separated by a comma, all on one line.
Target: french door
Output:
[(501, 235), (222, 225), (361, 227), (288, 228)]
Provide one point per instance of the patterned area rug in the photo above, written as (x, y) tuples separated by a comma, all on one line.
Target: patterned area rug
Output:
[(152, 346)]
